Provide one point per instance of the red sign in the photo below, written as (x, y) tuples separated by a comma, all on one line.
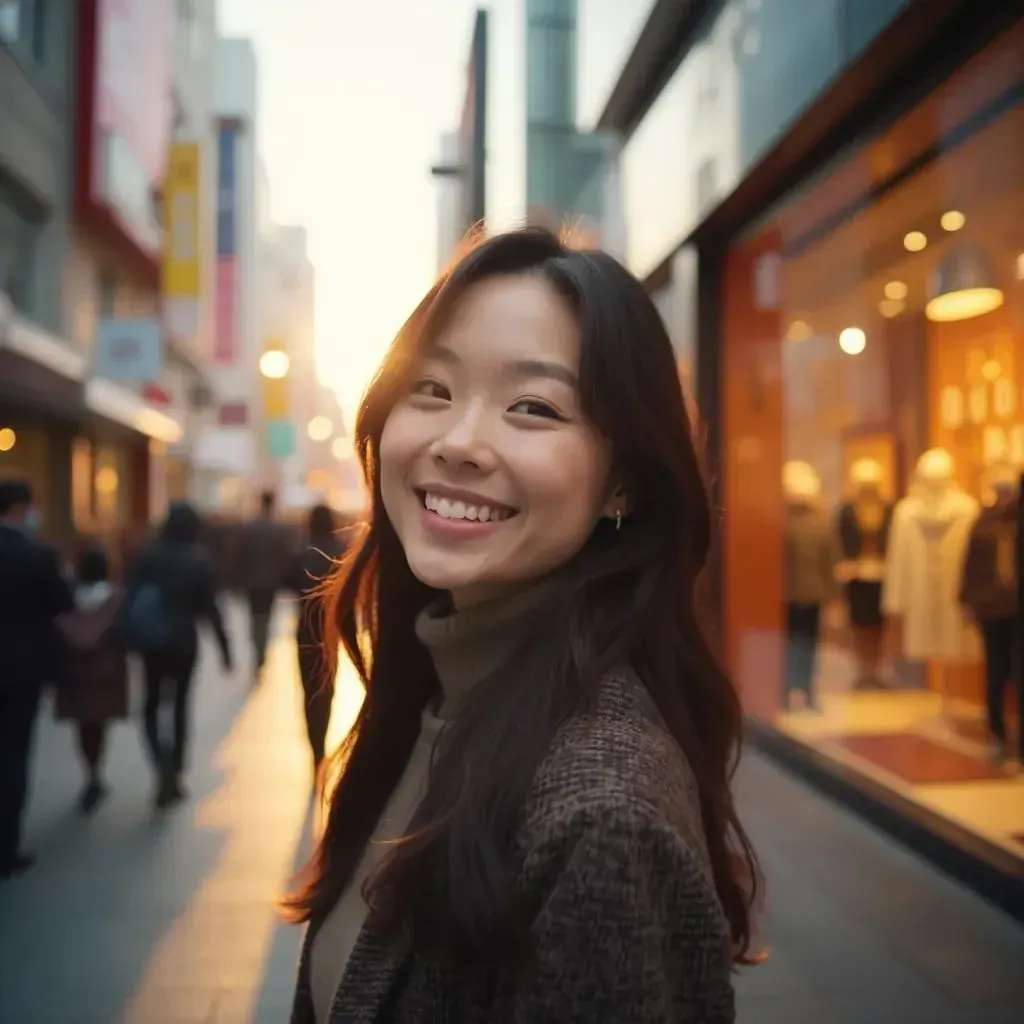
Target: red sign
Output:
[(226, 342), (126, 110)]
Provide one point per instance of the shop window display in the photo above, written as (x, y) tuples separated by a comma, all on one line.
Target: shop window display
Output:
[(873, 433)]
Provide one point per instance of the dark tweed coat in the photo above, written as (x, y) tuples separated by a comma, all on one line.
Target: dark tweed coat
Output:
[(630, 929)]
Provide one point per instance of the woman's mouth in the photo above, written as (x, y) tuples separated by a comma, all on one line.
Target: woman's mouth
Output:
[(464, 511)]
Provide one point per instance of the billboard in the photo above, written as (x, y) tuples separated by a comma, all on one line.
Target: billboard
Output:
[(126, 104), (129, 351), (181, 279), (226, 298)]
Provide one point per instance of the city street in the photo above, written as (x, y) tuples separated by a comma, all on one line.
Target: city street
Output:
[(127, 918)]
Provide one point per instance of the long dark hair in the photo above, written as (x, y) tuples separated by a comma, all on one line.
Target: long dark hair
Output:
[(632, 601)]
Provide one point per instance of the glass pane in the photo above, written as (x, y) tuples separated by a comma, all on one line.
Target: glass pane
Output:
[(874, 444)]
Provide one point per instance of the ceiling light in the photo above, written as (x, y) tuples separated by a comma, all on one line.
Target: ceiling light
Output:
[(915, 241), (891, 307), (8, 439), (853, 341), (896, 290), (952, 220), (963, 286)]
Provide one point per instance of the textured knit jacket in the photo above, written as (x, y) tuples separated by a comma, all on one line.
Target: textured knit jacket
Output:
[(613, 853)]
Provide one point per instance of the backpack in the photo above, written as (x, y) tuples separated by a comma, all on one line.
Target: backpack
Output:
[(148, 625)]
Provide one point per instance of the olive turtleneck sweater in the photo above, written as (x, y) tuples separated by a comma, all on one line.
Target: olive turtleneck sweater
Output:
[(466, 646)]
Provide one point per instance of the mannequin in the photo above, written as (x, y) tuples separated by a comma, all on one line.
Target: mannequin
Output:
[(989, 594), (810, 578), (863, 528), (927, 544)]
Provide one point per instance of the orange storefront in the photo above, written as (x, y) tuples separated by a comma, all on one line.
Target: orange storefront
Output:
[(870, 441)]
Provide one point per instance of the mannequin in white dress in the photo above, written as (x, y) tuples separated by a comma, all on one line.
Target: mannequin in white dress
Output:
[(924, 562)]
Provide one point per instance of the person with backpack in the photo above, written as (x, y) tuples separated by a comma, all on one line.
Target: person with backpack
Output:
[(172, 588), (94, 689)]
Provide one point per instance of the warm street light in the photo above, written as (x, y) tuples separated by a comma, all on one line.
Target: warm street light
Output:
[(320, 428), (274, 364)]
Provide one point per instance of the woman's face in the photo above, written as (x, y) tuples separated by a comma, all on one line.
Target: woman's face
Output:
[(490, 474)]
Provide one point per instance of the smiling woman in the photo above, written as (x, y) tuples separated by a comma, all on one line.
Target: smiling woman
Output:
[(534, 819)]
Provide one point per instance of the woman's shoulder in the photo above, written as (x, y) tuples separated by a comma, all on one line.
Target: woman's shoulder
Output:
[(616, 765)]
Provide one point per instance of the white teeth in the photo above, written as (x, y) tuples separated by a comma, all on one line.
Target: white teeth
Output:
[(448, 509)]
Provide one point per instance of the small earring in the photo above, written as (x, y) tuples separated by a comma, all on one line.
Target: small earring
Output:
[(618, 520)]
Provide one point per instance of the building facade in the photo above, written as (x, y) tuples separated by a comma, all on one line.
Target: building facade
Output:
[(225, 453), (822, 199), (462, 168), (293, 426), (42, 372)]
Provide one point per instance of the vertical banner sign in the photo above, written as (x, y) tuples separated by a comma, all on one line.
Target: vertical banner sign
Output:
[(181, 277), (226, 342), (278, 424)]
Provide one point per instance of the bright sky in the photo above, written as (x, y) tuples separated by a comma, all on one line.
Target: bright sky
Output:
[(354, 95)]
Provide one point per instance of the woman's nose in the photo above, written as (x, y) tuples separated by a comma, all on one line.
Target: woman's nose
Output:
[(464, 442)]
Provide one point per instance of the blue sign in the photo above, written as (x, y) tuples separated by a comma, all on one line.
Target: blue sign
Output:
[(227, 185), (129, 351), (280, 438)]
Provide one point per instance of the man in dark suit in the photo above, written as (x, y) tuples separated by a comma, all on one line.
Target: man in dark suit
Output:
[(32, 594)]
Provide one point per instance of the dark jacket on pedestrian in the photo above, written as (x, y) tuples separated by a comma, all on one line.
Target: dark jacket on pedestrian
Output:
[(184, 572), (32, 594), (615, 871), (989, 582), (266, 558), (94, 689)]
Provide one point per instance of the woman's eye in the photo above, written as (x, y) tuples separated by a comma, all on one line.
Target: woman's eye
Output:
[(535, 407), (428, 388)]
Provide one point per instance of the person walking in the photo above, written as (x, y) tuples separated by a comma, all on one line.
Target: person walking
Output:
[(313, 565), (94, 689), (172, 589), (266, 557), (32, 594)]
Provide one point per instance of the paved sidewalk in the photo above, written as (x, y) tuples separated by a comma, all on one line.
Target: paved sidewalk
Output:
[(130, 917)]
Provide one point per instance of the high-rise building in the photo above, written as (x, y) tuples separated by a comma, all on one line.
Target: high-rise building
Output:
[(226, 451), (462, 168)]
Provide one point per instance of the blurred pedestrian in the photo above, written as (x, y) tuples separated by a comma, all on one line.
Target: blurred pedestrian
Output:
[(313, 565), (171, 590), (266, 558), (94, 690), (32, 594)]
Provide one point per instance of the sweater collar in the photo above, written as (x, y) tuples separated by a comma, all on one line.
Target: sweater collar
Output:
[(467, 645)]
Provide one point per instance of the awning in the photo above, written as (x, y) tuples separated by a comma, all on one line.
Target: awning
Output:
[(123, 406), (30, 342)]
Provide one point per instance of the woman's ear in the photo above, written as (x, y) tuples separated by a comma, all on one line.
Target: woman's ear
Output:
[(618, 505)]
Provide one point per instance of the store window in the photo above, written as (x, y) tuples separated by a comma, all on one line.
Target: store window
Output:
[(16, 246), (874, 445)]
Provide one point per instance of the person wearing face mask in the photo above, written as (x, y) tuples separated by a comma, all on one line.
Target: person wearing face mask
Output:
[(534, 819), (33, 593)]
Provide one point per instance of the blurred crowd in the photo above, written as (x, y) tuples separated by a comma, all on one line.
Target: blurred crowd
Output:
[(77, 628)]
